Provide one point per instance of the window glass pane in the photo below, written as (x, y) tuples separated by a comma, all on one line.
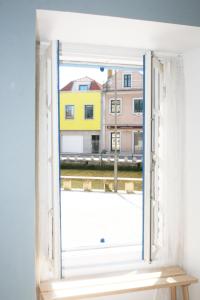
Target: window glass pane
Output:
[(127, 80), (138, 105), (138, 140), (113, 141), (69, 112), (83, 87), (88, 111), (117, 103)]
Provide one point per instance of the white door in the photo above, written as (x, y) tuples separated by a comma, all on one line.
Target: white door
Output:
[(72, 144)]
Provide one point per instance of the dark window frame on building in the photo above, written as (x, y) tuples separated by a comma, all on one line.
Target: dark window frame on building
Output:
[(127, 80), (83, 87), (69, 115), (138, 106), (86, 114), (137, 138)]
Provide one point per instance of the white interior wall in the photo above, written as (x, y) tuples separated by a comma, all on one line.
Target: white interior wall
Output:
[(170, 185), (18, 120), (192, 166), (113, 31)]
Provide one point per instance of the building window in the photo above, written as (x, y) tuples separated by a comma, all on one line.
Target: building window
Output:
[(112, 106), (83, 87), (69, 111), (127, 80), (138, 142), (137, 105), (115, 139), (89, 112)]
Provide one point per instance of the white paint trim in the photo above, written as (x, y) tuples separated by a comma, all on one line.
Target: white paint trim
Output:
[(55, 163), (147, 158), (101, 55), (157, 90), (121, 107), (120, 136)]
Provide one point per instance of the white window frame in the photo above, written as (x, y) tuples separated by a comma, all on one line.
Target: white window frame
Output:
[(113, 99), (133, 105), (120, 137), (47, 169), (147, 158), (147, 136)]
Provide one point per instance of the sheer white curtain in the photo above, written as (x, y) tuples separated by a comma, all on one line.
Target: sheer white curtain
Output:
[(171, 166)]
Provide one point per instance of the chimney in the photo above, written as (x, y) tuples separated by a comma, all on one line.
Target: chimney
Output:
[(109, 73)]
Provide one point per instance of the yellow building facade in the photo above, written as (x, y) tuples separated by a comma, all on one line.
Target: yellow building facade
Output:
[(78, 102)]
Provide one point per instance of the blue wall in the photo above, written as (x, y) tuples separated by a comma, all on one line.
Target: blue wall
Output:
[(17, 121)]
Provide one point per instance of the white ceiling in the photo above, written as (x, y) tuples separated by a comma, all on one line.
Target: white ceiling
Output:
[(112, 31)]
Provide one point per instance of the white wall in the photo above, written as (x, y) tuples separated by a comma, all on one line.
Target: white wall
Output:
[(192, 168), (17, 124)]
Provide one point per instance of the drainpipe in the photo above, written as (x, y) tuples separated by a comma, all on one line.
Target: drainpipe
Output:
[(115, 131)]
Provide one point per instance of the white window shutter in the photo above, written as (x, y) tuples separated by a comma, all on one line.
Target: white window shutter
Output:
[(147, 157), (153, 77), (54, 250), (157, 90), (47, 168)]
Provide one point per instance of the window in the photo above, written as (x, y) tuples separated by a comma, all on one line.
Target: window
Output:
[(89, 112), (127, 80), (69, 111), (95, 143), (112, 106), (137, 142), (115, 139), (83, 87), (137, 105)]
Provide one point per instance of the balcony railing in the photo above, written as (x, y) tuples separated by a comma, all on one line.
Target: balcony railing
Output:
[(102, 158)]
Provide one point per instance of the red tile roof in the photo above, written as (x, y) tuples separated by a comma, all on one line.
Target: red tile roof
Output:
[(94, 85), (67, 87)]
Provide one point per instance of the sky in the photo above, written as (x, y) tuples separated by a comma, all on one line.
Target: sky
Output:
[(68, 74)]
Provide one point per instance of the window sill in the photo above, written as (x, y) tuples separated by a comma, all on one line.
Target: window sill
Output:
[(125, 282), (137, 114)]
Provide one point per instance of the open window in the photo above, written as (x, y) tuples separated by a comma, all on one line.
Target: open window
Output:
[(144, 144)]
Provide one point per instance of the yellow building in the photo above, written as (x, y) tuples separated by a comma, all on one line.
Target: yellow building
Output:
[(80, 116)]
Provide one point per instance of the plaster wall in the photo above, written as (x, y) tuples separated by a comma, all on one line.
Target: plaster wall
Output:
[(17, 126)]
